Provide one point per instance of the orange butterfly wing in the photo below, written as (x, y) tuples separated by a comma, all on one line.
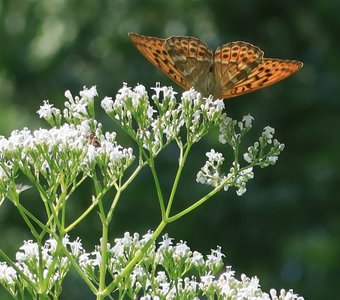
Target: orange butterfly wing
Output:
[(154, 50), (192, 58), (269, 71), (232, 63)]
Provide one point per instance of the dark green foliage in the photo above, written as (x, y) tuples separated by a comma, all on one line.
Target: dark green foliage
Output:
[(285, 229)]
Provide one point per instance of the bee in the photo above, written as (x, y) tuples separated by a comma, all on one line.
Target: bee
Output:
[(93, 139)]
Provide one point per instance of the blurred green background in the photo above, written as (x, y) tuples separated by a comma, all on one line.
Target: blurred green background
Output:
[(285, 229)]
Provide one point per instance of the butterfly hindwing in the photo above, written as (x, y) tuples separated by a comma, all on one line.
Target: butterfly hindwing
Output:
[(191, 57)]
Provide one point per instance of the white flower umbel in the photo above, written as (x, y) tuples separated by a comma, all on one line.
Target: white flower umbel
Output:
[(210, 173), (199, 114), (154, 125), (176, 274), (33, 260), (80, 108), (263, 153), (266, 151), (8, 278), (51, 114), (66, 147)]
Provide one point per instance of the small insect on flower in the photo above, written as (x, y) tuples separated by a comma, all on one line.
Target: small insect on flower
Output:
[(93, 139), (234, 69)]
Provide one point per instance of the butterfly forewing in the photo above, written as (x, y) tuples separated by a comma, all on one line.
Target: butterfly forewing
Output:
[(233, 69), (154, 50), (268, 72)]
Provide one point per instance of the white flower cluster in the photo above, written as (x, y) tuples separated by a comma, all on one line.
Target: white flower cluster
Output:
[(199, 114), (77, 109), (36, 266), (164, 273), (240, 178), (154, 126), (64, 149), (49, 113), (231, 132), (210, 173), (256, 154), (167, 272)]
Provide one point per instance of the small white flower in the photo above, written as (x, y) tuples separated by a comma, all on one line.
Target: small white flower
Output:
[(207, 280), (69, 96), (169, 93), (29, 251), (51, 245), (191, 95), (47, 110), (197, 259), (20, 187), (97, 258), (76, 247), (216, 256), (146, 237), (241, 191), (268, 133), (166, 242), (140, 89), (89, 93), (138, 272), (215, 156), (84, 260), (158, 89), (248, 157), (248, 119), (272, 159), (8, 275), (107, 104), (150, 112), (161, 277), (219, 104), (181, 250)]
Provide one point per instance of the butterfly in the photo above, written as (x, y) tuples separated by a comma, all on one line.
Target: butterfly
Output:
[(234, 69)]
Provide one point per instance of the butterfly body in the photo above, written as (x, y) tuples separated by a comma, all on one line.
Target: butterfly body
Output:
[(234, 68)]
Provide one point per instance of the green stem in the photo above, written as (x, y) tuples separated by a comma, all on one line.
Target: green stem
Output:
[(158, 187), (181, 163), (199, 202), (140, 254), (103, 266), (31, 216), (132, 177), (113, 206), (26, 219), (84, 214)]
